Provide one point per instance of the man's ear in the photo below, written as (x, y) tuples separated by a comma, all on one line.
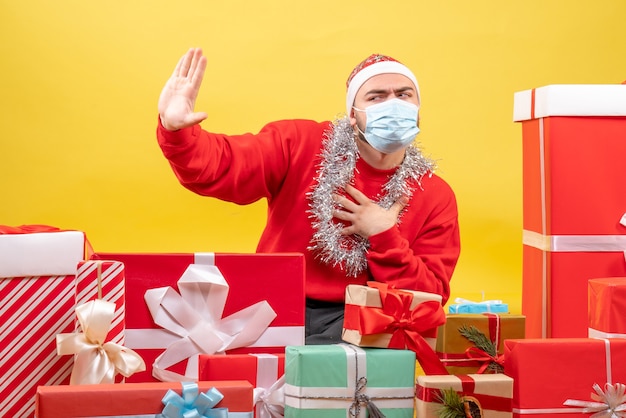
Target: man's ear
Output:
[(352, 118)]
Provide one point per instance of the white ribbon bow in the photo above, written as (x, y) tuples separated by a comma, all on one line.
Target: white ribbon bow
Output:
[(270, 402), (610, 403), (195, 315), (96, 361)]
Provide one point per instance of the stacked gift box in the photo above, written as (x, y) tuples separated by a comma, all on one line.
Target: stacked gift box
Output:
[(37, 289), (573, 201), (572, 360)]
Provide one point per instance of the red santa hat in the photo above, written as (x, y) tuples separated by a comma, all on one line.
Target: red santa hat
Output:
[(373, 65)]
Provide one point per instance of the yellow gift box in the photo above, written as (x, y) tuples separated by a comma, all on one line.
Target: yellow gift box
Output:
[(461, 356)]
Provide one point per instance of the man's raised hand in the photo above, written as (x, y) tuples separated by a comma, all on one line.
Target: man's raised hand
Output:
[(178, 97)]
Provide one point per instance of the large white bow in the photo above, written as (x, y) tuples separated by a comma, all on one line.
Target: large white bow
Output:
[(96, 361), (195, 316), (607, 403)]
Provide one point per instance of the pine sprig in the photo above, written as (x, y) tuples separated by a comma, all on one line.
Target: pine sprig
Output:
[(480, 340), (452, 405)]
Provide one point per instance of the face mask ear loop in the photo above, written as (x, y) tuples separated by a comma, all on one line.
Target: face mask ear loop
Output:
[(362, 136)]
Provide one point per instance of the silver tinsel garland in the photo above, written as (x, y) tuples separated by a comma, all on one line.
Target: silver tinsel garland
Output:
[(336, 170)]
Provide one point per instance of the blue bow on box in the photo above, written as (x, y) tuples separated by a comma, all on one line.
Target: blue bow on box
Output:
[(193, 403)]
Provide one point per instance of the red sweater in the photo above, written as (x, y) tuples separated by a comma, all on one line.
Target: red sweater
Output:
[(279, 164)]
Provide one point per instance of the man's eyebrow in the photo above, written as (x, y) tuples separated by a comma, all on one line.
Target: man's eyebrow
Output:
[(382, 91)]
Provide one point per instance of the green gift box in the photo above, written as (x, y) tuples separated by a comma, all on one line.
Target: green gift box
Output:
[(340, 380)]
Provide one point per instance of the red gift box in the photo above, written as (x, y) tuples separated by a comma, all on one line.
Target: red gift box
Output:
[(37, 304), (131, 399), (573, 143), (261, 370), (607, 304), (252, 278), (548, 372)]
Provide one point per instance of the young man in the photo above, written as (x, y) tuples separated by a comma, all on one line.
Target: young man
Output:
[(355, 196)]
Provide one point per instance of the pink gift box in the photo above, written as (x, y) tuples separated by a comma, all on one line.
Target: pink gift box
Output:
[(275, 278), (35, 308), (573, 205)]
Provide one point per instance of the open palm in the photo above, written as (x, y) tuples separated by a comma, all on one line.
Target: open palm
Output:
[(178, 97)]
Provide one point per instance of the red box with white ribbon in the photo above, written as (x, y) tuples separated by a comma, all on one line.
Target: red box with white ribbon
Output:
[(574, 140), (263, 371), (155, 399), (37, 290), (549, 372), (224, 299), (607, 304)]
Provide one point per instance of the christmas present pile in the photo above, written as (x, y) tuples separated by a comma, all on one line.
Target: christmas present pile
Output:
[(233, 321)]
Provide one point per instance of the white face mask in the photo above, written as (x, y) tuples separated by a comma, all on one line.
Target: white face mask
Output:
[(391, 125)]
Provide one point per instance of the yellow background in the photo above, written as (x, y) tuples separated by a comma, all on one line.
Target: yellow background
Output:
[(79, 84)]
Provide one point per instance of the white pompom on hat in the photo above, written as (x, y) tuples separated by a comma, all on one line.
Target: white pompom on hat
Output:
[(373, 65)]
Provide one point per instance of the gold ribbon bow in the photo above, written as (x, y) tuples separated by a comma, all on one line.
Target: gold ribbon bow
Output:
[(96, 361), (607, 403)]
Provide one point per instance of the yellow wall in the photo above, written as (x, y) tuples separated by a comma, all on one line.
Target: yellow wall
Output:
[(79, 83)]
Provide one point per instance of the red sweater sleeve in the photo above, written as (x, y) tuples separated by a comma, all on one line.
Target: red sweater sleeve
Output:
[(427, 262), (236, 168)]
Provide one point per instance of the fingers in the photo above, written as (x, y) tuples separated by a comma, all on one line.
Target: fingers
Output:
[(399, 204), (190, 63), (196, 59), (345, 203), (185, 62), (198, 72), (357, 195)]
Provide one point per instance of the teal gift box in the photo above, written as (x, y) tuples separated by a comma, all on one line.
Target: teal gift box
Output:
[(339, 380), (464, 306)]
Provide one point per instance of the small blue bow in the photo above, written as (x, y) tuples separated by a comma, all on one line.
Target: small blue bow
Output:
[(193, 403)]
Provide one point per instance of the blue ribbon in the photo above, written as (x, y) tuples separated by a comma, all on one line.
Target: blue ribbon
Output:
[(193, 403)]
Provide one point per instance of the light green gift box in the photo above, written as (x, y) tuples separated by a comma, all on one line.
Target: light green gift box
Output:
[(339, 380)]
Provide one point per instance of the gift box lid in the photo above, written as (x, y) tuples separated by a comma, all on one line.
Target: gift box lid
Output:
[(570, 100), (41, 253)]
